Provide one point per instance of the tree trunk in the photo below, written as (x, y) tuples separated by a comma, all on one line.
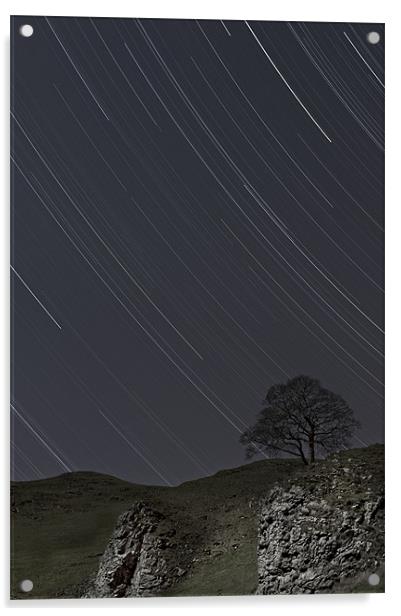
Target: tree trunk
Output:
[(301, 453), (312, 447)]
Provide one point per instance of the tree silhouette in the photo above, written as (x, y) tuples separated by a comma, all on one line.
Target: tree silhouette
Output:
[(300, 418)]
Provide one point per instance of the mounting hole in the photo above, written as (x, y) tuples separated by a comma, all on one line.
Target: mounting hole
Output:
[(26, 30), (26, 585), (373, 38), (374, 579)]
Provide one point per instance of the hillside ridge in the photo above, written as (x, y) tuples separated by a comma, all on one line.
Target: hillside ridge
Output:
[(62, 526)]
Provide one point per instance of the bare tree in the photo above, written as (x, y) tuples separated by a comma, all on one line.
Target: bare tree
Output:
[(301, 418)]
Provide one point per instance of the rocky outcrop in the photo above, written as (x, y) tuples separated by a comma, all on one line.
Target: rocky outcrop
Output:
[(318, 530), (325, 528), (141, 558)]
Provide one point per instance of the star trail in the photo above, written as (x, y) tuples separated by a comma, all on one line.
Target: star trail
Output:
[(197, 214)]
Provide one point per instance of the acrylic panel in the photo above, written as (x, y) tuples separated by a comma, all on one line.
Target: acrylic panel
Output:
[(197, 307)]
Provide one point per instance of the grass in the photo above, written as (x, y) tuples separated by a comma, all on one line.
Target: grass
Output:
[(61, 526)]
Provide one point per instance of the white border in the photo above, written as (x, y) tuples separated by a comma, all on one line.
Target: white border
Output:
[(303, 10)]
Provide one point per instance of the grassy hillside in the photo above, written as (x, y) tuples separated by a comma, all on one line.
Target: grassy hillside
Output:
[(60, 526)]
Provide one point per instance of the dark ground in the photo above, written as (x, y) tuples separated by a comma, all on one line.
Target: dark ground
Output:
[(60, 526)]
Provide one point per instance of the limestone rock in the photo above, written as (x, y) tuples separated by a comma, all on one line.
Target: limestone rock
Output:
[(320, 531), (141, 558)]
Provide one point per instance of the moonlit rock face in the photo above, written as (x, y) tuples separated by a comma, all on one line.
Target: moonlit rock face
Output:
[(310, 540)]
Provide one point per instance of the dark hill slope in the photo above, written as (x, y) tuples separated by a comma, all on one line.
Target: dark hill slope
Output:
[(61, 526)]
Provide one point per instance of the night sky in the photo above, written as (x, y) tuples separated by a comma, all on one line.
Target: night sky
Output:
[(197, 214)]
